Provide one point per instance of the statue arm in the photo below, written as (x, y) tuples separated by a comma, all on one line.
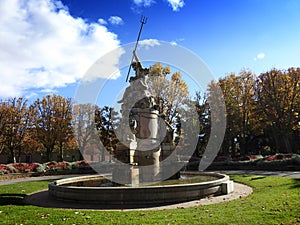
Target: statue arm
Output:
[(136, 57)]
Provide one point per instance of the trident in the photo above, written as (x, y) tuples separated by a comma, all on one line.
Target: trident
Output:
[(143, 20)]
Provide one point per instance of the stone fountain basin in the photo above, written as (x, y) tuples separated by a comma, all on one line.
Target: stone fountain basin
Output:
[(144, 195)]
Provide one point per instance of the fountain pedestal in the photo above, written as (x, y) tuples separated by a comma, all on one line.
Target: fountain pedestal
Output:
[(143, 152)]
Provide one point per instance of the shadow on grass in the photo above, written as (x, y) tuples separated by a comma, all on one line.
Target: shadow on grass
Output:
[(12, 199), (257, 177), (296, 183)]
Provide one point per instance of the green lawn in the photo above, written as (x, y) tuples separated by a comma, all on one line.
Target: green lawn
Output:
[(276, 200)]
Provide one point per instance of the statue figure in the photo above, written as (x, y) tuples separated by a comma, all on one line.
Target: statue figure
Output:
[(138, 92), (136, 95), (140, 72)]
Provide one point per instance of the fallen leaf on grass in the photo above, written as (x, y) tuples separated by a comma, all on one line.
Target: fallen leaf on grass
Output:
[(43, 216), (169, 215)]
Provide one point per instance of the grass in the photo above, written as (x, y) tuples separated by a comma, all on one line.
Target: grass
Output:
[(276, 200)]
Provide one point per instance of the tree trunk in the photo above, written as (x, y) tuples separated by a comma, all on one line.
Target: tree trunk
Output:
[(287, 144), (12, 155), (80, 155), (242, 143), (49, 150), (19, 154), (61, 152)]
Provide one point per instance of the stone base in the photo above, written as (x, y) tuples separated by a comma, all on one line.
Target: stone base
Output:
[(166, 150), (227, 187), (122, 153), (121, 174)]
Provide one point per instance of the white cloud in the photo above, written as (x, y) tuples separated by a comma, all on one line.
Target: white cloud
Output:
[(149, 42), (176, 4), (44, 47), (115, 20), (106, 66), (102, 21), (144, 3), (260, 56), (48, 91)]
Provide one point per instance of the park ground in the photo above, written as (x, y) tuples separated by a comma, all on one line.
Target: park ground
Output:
[(275, 200)]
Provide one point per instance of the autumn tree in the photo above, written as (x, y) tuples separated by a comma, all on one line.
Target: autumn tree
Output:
[(171, 93), (3, 118), (30, 145), (83, 124), (215, 111), (63, 109), (52, 121), (106, 120), (202, 107), (278, 93), (15, 121), (240, 103)]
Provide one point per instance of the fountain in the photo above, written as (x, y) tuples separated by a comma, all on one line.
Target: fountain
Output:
[(93, 189), (141, 154)]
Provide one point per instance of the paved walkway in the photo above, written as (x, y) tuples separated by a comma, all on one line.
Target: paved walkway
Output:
[(291, 174), (25, 179)]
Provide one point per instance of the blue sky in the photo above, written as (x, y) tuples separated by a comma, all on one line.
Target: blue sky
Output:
[(46, 46)]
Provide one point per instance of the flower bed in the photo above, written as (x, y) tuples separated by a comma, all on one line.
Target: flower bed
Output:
[(248, 158), (44, 168), (254, 162), (279, 157)]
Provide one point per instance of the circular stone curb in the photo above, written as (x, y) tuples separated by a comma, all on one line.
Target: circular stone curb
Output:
[(43, 199), (137, 196)]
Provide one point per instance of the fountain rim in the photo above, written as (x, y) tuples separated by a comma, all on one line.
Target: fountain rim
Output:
[(62, 183)]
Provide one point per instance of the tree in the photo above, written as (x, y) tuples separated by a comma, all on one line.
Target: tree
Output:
[(171, 94), (239, 96), (278, 93), (203, 111), (83, 124), (63, 108), (3, 119), (106, 119), (30, 145), (15, 121), (52, 122)]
